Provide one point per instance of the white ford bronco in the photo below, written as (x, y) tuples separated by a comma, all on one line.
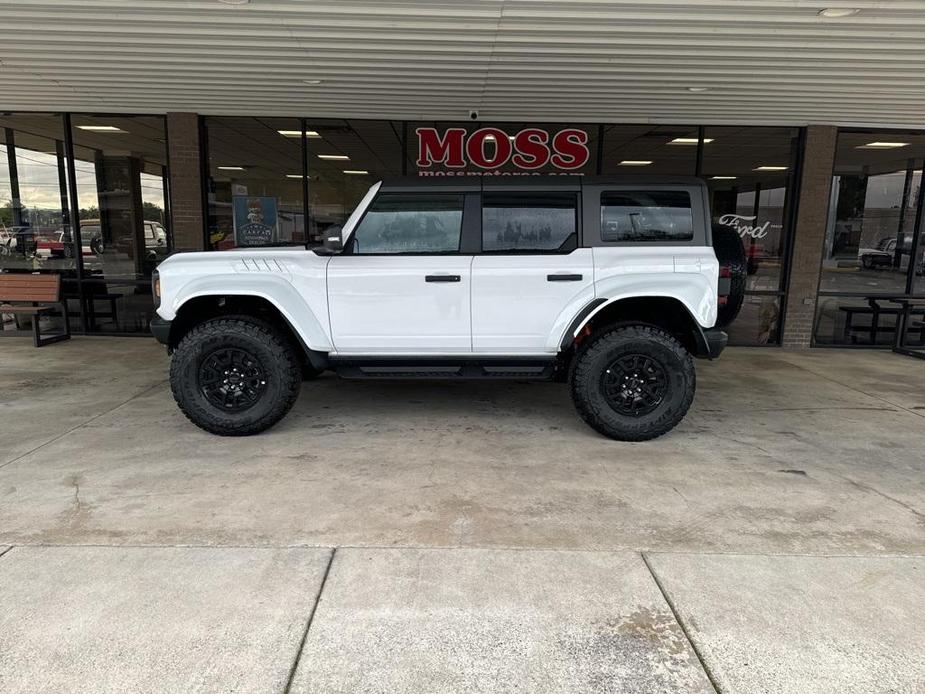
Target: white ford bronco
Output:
[(611, 284)]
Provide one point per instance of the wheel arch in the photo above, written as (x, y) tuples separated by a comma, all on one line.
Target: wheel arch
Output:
[(200, 307), (665, 311)]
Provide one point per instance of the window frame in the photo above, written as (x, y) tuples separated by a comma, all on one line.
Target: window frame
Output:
[(513, 190), (465, 232), (700, 215)]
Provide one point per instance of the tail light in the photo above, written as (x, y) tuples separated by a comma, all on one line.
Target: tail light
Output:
[(156, 288)]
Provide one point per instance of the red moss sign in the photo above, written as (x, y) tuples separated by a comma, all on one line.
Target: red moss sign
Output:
[(487, 149)]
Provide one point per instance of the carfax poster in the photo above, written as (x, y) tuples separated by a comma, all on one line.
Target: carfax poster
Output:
[(255, 220)]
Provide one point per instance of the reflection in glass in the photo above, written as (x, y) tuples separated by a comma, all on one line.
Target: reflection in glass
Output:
[(749, 198), (758, 321), (34, 233), (528, 223), (646, 216), (410, 224), (872, 212), (120, 172)]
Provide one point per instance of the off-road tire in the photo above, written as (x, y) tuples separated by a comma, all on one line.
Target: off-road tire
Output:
[(727, 244), (601, 351), (266, 344)]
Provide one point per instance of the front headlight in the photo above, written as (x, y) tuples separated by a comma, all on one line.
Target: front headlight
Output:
[(156, 288)]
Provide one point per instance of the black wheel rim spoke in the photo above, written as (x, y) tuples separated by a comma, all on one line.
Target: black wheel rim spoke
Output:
[(232, 379), (634, 385)]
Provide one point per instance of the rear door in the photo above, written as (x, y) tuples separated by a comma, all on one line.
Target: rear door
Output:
[(531, 276)]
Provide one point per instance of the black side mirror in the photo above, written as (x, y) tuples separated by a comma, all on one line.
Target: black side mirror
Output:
[(333, 243)]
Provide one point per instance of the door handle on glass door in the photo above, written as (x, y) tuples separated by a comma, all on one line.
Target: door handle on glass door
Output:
[(563, 278), (442, 278)]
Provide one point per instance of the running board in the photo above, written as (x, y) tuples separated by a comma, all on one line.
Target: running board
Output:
[(445, 369)]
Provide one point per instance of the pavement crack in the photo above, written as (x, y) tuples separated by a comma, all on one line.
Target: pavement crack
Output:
[(681, 625), (308, 624), (868, 488)]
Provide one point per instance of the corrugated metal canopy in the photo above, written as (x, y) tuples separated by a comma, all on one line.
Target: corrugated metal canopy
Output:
[(769, 62)]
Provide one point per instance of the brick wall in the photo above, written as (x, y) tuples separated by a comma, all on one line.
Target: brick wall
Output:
[(185, 181), (809, 235)]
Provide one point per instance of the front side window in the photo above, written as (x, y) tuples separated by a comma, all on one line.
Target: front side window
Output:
[(646, 215), (529, 222), (410, 223)]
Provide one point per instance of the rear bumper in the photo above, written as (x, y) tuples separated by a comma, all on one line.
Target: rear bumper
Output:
[(711, 343), (161, 330)]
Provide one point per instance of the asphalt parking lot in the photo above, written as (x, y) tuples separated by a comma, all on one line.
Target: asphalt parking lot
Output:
[(464, 537)]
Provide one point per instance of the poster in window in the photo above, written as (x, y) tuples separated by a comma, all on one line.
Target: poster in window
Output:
[(256, 222)]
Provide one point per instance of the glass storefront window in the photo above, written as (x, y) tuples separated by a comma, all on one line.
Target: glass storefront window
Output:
[(120, 165), (871, 252), (34, 210), (748, 171), (345, 157), (758, 322), (255, 182), (875, 192), (650, 149)]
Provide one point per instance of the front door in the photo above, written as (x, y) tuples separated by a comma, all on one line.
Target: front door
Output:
[(402, 286)]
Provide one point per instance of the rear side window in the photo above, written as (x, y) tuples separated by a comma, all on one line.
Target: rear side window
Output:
[(646, 215), (410, 223), (529, 222)]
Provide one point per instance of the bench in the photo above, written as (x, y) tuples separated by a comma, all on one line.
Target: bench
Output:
[(874, 328), (909, 308), (35, 296)]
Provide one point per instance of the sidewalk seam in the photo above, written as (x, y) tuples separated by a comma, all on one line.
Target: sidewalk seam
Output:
[(83, 424), (677, 618), (308, 624)]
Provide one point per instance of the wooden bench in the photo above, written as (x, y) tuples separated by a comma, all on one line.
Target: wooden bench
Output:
[(35, 296)]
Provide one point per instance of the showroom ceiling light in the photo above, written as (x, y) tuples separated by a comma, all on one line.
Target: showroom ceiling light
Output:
[(698, 89), (635, 162), (101, 128), (837, 12), (770, 168), (689, 141), (723, 178), (312, 81), (358, 172), (230, 168), (234, 2), (294, 176), (298, 133), (883, 145), (334, 157)]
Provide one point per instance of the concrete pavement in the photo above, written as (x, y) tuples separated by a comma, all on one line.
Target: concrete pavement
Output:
[(750, 550)]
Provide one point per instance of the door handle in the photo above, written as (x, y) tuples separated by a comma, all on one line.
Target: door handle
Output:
[(442, 278), (563, 278)]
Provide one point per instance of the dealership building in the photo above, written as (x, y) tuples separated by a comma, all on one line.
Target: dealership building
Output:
[(129, 130)]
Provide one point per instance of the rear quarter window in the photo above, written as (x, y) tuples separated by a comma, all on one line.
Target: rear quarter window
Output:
[(646, 216)]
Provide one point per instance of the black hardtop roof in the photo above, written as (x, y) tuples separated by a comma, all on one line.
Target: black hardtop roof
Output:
[(544, 182)]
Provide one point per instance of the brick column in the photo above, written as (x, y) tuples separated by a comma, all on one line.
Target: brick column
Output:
[(186, 182), (809, 235)]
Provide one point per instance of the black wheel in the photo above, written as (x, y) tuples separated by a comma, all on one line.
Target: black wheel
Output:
[(235, 376), (633, 383), (732, 259)]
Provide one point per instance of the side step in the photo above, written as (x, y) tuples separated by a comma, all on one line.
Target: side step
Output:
[(445, 369)]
